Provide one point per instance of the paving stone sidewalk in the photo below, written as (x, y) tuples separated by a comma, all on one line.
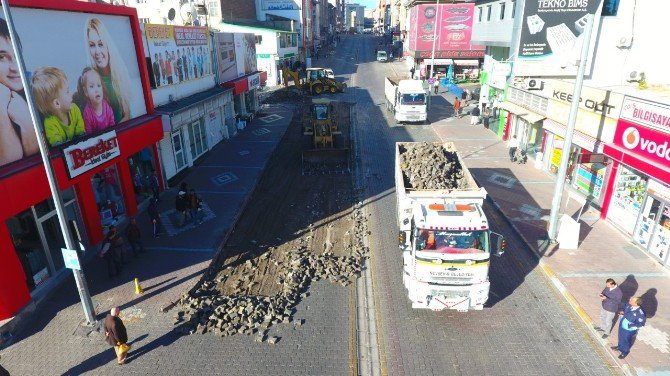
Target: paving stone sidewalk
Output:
[(524, 194)]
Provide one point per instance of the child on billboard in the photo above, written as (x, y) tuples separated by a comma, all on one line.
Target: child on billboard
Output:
[(62, 118), (106, 60), (98, 114)]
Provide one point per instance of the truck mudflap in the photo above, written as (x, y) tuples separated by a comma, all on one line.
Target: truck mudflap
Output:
[(437, 297)]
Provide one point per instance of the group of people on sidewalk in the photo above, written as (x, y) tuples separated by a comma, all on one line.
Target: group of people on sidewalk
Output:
[(632, 317), (114, 247), (188, 206)]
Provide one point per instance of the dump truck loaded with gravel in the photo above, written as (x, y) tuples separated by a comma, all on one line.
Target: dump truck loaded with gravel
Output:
[(443, 231)]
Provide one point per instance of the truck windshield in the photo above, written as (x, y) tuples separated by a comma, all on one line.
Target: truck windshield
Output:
[(413, 99), (453, 241)]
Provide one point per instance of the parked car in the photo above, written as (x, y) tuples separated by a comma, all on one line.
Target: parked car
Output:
[(381, 56)]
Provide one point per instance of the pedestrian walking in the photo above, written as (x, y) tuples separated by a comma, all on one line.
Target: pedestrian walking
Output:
[(436, 85), (134, 237), (411, 72), (155, 186), (181, 205), (109, 251), (155, 218), (513, 144), (195, 207), (474, 116), (116, 335), (611, 303), (487, 116), (457, 106), (633, 319)]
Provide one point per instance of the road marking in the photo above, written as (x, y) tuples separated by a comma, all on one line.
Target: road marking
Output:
[(502, 180), (270, 118), (260, 131), (225, 178)]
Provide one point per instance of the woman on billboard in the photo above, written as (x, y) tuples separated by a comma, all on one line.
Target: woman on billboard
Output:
[(106, 60), (17, 135)]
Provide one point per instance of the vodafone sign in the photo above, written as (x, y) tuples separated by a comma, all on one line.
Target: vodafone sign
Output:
[(643, 142)]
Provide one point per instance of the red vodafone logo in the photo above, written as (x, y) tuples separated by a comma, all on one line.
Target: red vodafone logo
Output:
[(630, 138)]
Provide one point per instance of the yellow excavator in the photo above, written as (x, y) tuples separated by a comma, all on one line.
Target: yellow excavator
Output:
[(317, 80), (328, 148)]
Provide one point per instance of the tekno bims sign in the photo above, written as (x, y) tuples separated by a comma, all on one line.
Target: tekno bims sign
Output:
[(93, 152)]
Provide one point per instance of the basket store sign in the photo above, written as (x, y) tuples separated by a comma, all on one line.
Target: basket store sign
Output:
[(93, 152)]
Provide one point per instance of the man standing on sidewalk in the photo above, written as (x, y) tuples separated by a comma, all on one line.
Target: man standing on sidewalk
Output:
[(611, 301), (457, 107), (181, 206), (632, 320), (474, 116), (134, 237), (513, 145)]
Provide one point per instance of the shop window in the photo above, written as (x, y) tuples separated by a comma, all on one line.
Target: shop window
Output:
[(47, 206), (502, 11), (178, 147), (142, 167), (198, 138), (488, 13), (259, 39), (626, 202), (481, 12), (282, 41), (29, 248), (108, 196), (610, 7), (513, 8)]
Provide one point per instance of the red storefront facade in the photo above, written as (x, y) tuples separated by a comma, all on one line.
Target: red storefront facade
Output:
[(637, 195), (107, 190)]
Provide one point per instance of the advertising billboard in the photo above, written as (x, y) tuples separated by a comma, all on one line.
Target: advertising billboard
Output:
[(245, 52), (224, 45), (643, 142), (454, 30), (84, 78), (178, 53), (552, 36)]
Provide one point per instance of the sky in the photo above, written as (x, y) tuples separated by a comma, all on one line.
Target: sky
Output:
[(369, 4)]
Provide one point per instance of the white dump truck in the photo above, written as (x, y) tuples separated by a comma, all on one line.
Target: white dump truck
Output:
[(406, 99), (444, 235)]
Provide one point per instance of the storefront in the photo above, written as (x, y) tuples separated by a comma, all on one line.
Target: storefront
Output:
[(193, 125), (100, 170), (639, 193)]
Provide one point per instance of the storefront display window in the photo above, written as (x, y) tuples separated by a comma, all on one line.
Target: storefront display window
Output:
[(589, 179), (557, 154), (627, 197), (108, 196), (534, 142), (142, 166)]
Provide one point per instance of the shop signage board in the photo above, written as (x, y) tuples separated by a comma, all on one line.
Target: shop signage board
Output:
[(71, 259), (85, 155), (62, 48), (280, 5), (454, 30), (245, 52), (552, 34), (178, 53), (598, 112), (226, 62), (650, 114), (643, 142), (254, 81)]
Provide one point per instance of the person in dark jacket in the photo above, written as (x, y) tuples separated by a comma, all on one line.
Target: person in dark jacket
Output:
[(155, 218), (195, 207), (633, 319), (611, 303), (474, 116), (116, 334), (134, 237), (181, 205), (111, 250)]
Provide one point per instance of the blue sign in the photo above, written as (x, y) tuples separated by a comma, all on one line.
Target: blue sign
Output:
[(71, 259)]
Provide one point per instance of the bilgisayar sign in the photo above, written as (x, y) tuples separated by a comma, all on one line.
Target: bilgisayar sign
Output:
[(90, 153)]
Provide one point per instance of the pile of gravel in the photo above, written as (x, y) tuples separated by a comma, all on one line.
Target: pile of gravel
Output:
[(207, 310), (426, 165), (283, 95)]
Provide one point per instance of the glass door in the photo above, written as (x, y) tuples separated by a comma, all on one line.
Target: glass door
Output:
[(178, 146), (647, 222), (52, 238), (660, 242)]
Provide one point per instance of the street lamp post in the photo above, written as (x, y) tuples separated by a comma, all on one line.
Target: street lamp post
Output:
[(567, 141), (79, 278)]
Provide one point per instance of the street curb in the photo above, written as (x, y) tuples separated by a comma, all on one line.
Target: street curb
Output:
[(215, 259)]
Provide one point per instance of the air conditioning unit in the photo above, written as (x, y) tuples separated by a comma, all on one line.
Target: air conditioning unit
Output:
[(634, 76), (533, 84), (624, 42)]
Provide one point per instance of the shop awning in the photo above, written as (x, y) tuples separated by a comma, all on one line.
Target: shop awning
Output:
[(191, 100), (578, 138), (532, 117), (513, 108), (468, 63)]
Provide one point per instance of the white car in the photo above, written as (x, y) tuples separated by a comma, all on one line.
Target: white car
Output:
[(381, 56)]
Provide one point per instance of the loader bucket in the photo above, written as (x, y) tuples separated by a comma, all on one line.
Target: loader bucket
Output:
[(325, 161)]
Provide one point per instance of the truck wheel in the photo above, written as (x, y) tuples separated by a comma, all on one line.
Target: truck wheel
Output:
[(317, 89), (333, 89)]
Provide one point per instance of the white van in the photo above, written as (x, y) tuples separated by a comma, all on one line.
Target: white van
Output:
[(381, 56)]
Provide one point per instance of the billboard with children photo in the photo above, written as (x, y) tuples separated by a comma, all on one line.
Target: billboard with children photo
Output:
[(178, 53), (83, 81)]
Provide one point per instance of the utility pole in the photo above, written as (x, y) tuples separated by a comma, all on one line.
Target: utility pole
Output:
[(436, 25), (567, 142), (70, 244)]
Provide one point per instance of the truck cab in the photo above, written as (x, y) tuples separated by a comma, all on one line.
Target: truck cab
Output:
[(410, 103), (447, 248)]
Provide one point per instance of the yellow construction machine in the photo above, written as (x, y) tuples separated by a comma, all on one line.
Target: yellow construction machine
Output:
[(328, 148), (317, 80)]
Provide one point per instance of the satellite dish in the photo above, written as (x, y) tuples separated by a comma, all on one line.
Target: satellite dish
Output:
[(171, 14), (185, 13)]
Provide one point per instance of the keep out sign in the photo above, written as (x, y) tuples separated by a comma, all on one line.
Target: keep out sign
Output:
[(643, 142)]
